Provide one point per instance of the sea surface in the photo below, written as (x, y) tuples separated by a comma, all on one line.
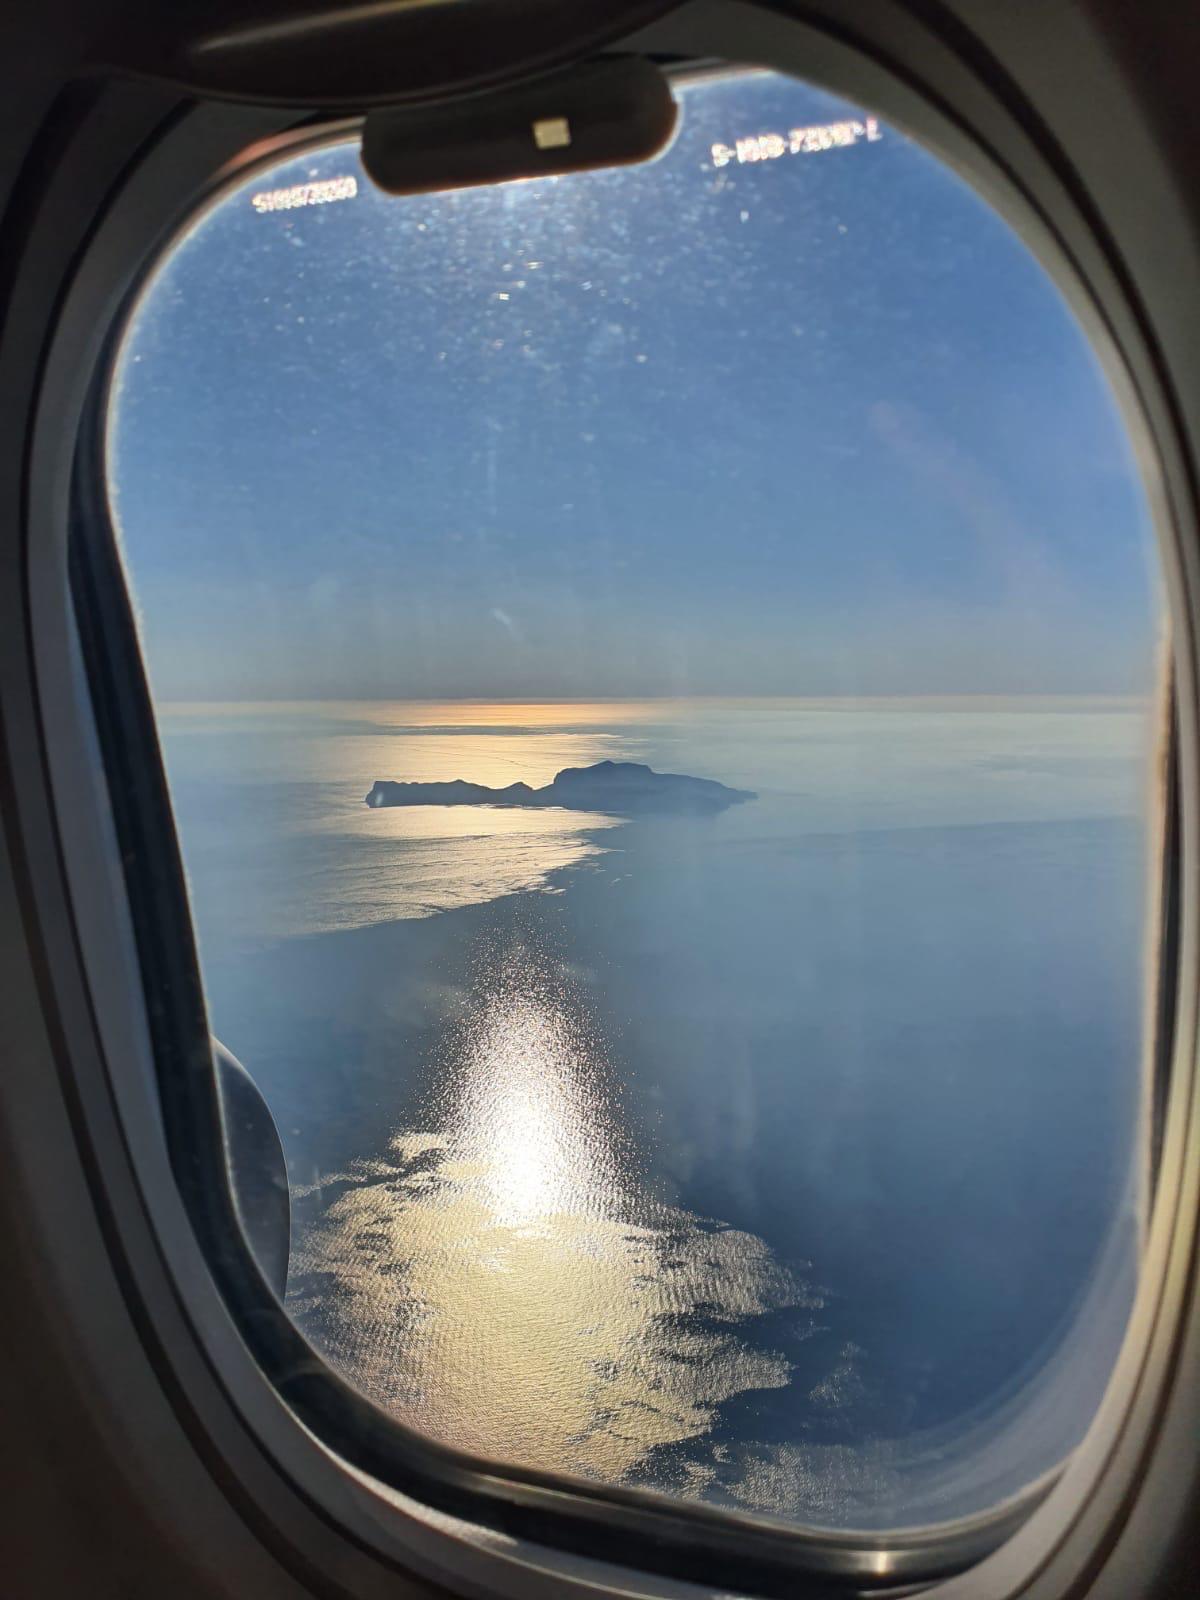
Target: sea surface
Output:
[(787, 1158)]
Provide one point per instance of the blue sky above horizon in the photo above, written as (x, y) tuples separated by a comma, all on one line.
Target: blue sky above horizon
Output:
[(810, 426)]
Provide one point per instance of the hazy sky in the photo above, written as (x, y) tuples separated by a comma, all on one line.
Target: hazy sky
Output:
[(813, 425)]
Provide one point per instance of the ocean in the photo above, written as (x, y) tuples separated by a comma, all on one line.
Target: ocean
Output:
[(786, 1158)]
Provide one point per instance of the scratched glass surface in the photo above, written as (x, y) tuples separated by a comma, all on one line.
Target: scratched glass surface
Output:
[(769, 1133)]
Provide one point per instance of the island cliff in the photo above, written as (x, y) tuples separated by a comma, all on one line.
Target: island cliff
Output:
[(625, 787)]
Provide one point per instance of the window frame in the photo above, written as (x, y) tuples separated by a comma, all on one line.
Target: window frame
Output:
[(197, 153)]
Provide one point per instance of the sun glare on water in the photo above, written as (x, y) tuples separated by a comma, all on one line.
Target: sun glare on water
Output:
[(507, 1284), (524, 1118)]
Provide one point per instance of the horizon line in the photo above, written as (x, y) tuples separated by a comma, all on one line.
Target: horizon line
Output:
[(963, 697)]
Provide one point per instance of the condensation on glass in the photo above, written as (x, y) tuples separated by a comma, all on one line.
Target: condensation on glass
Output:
[(657, 675)]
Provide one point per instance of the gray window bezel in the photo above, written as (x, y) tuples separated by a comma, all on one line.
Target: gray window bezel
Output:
[(202, 152)]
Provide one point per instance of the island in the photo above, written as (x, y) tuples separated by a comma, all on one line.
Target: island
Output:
[(625, 788)]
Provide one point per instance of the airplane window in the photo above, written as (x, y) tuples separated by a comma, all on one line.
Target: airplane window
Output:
[(657, 672)]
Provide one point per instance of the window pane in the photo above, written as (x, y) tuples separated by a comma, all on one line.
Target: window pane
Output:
[(775, 1139)]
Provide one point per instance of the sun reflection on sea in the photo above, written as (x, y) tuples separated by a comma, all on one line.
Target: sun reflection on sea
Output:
[(521, 1120), (505, 1283)]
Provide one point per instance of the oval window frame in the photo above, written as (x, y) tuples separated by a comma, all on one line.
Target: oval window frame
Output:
[(1109, 317)]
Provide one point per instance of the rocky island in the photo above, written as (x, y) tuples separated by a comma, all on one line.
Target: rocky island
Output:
[(626, 788)]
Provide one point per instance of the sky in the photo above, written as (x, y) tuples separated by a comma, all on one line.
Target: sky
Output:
[(813, 425)]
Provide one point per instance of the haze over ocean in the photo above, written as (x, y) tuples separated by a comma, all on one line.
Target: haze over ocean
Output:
[(787, 1140)]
